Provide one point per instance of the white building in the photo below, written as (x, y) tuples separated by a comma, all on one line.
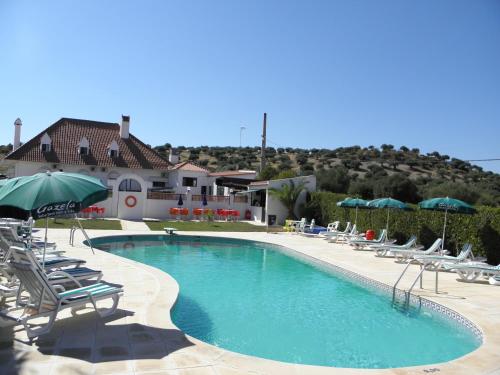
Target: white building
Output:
[(142, 184)]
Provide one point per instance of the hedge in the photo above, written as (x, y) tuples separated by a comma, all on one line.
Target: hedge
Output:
[(482, 230)]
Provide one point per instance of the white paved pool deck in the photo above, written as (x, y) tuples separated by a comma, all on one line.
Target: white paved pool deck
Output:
[(141, 339)]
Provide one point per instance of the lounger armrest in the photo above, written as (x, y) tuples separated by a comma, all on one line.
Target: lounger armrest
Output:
[(64, 274)]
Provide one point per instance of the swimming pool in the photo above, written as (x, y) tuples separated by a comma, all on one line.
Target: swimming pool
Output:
[(256, 299)]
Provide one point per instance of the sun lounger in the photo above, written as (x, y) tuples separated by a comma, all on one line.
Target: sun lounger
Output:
[(434, 262), (13, 239), (333, 227), (60, 275), (403, 255), (471, 271), (361, 244), (52, 261), (385, 250), (334, 233), (353, 234), (46, 300)]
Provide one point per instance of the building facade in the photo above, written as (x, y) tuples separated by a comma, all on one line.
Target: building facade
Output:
[(141, 183)]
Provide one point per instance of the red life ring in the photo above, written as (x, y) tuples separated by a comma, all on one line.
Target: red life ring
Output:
[(134, 201)]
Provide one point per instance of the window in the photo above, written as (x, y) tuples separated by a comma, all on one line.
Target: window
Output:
[(113, 149), (220, 190), (159, 184), (45, 143), (130, 185), (210, 190), (189, 181), (84, 146)]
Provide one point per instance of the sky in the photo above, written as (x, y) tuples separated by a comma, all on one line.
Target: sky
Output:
[(330, 74)]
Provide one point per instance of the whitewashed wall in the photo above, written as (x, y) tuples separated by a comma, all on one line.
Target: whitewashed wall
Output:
[(275, 207)]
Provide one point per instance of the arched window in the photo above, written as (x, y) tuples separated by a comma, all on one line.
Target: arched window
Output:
[(84, 146), (46, 143), (113, 150), (129, 184)]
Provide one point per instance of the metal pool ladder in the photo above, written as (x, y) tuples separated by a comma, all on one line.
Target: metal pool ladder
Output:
[(74, 228), (407, 293)]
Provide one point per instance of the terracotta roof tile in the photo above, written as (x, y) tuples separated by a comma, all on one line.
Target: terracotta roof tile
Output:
[(189, 166), (231, 173), (66, 135)]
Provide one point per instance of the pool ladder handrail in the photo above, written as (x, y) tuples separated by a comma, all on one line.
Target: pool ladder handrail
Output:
[(407, 293), (74, 228)]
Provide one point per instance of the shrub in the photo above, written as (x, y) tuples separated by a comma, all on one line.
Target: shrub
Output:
[(482, 230)]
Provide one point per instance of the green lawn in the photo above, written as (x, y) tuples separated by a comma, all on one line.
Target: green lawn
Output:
[(209, 226), (87, 224)]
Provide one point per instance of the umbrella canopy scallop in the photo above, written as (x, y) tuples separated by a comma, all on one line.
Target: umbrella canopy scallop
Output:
[(388, 203), (447, 204), (353, 203), (49, 194)]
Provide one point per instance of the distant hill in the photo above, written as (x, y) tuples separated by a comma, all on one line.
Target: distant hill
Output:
[(367, 172)]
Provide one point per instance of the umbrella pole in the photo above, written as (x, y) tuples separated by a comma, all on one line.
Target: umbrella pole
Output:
[(387, 223), (444, 229), (45, 242), (356, 218)]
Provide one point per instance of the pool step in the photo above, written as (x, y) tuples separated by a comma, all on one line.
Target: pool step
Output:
[(405, 308)]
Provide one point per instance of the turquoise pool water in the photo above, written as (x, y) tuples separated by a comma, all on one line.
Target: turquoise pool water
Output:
[(250, 298)]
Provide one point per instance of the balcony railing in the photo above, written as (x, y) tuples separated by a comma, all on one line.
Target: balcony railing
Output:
[(165, 196), (211, 198), (240, 199)]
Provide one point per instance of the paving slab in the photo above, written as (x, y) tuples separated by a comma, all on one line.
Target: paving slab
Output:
[(141, 338)]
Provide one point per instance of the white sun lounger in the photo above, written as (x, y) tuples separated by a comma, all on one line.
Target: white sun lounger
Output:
[(434, 262), (46, 300), (403, 255), (333, 233), (471, 271), (386, 250), (353, 234), (362, 244)]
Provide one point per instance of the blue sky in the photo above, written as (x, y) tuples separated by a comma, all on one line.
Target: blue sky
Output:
[(329, 73)]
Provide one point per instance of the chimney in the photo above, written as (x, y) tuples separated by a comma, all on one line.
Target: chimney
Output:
[(125, 126), (173, 156), (17, 134)]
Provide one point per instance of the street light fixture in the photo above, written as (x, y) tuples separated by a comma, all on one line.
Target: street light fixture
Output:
[(241, 132)]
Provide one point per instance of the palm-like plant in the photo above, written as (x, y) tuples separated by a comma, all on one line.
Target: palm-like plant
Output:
[(288, 195)]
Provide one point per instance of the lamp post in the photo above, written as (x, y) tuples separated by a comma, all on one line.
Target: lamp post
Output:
[(241, 132)]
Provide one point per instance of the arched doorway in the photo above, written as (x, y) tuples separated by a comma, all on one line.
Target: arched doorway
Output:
[(131, 195)]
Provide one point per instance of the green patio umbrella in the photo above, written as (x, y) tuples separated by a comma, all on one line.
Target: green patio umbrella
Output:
[(353, 203), (447, 205), (389, 204), (49, 194)]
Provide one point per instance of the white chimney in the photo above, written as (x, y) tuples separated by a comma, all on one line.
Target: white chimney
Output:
[(125, 126), (17, 134), (173, 156)]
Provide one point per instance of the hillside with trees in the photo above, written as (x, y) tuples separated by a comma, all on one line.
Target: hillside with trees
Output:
[(367, 172)]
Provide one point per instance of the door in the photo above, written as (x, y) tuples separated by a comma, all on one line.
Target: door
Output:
[(130, 200)]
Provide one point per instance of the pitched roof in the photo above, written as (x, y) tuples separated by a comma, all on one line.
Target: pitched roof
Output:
[(232, 173), (189, 166), (66, 135)]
